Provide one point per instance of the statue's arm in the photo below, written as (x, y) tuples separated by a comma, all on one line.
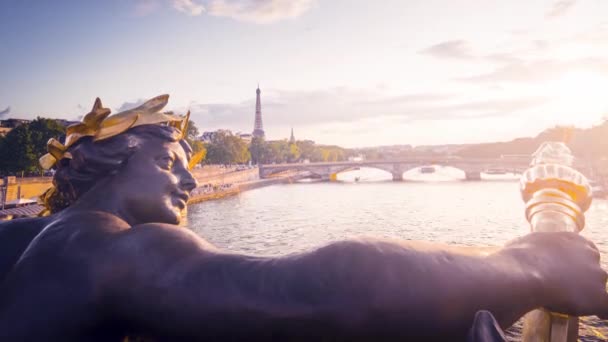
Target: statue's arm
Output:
[(173, 283)]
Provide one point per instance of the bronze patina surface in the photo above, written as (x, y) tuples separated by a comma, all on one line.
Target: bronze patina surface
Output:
[(111, 261)]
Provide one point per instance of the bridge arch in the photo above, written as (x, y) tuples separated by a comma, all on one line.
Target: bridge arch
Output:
[(472, 168), (365, 173)]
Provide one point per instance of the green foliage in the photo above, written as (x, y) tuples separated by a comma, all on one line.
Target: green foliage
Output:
[(294, 153), (193, 131), (226, 148), (283, 151), (258, 150), (22, 146), (191, 138)]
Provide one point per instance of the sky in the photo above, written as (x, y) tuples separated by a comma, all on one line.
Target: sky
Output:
[(348, 72)]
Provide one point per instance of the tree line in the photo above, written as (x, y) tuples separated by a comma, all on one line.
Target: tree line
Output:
[(226, 148), (23, 145), (21, 148)]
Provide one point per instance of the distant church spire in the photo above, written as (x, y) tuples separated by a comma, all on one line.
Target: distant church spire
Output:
[(258, 127), (292, 139)]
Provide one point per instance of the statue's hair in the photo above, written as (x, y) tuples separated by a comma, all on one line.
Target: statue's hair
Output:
[(91, 162)]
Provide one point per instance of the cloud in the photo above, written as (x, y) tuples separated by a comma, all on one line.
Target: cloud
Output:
[(5, 112), (250, 11), (560, 8), (457, 49), (190, 7), (597, 35), (130, 105), (259, 11), (540, 70), (347, 106), (462, 50), (145, 7)]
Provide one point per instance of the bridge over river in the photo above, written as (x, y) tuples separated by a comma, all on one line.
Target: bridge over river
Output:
[(471, 167)]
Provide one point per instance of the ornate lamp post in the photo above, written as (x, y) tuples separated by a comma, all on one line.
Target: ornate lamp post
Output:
[(556, 197)]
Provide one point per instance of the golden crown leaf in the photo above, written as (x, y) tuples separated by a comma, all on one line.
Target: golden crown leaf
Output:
[(100, 125)]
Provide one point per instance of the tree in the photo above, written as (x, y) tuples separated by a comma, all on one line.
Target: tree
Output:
[(258, 150), (192, 131), (294, 153), (226, 148), (192, 134), (22, 146)]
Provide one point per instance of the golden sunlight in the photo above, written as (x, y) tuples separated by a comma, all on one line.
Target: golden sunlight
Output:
[(580, 97)]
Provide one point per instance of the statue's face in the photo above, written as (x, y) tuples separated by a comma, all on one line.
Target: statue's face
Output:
[(155, 183)]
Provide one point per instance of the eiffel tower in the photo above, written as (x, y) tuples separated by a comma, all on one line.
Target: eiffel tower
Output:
[(258, 127)]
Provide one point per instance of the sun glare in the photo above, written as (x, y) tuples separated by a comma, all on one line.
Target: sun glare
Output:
[(580, 97)]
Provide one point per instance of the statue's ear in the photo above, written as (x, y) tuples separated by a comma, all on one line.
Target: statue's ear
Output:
[(154, 105)]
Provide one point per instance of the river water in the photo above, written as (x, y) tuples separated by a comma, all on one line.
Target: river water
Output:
[(288, 218), (283, 219)]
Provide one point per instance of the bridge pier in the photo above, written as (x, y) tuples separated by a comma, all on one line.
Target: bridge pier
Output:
[(472, 175), (397, 177)]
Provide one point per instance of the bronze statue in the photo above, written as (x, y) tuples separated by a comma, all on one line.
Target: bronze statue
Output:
[(110, 261)]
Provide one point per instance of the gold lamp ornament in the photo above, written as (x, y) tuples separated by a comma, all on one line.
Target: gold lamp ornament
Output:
[(100, 125)]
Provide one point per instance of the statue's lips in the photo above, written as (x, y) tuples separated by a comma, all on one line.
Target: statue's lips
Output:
[(181, 200)]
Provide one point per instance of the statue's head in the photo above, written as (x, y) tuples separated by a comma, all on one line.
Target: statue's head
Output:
[(140, 154)]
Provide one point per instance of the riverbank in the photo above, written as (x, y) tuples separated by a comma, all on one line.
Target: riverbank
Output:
[(215, 182), (209, 191)]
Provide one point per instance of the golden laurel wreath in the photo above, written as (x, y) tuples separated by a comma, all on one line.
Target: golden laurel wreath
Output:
[(99, 125)]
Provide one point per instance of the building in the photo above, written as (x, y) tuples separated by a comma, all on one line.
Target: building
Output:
[(66, 123), (4, 131), (209, 136), (246, 137), (13, 123), (292, 139), (258, 126), (8, 125)]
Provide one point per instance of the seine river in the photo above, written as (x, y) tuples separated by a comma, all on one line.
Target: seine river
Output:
[(288, 218)]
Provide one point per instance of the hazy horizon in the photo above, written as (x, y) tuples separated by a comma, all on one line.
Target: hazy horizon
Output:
[(347, 73)]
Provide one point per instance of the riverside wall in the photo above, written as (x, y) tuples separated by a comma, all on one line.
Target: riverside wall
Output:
[(214, 185), (13, 188), (228, 176), (223, 180), (232, 183)]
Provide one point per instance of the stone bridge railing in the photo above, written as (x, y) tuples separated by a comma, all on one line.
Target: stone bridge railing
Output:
[(327, 170)]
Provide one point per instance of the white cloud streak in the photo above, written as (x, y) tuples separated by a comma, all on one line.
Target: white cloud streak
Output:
[(5, 112), (560, 8), (458, 49), (249, 11), (540, 70), (346, 106), (145, 7), (190, 7), (259, 11)]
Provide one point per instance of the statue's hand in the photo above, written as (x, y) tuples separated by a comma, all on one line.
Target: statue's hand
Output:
[(567, 268)]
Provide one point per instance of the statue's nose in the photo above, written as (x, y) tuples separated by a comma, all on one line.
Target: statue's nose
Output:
[(188, 182)]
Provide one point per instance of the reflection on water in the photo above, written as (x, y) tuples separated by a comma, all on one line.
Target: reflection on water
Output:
[(284, 219)]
